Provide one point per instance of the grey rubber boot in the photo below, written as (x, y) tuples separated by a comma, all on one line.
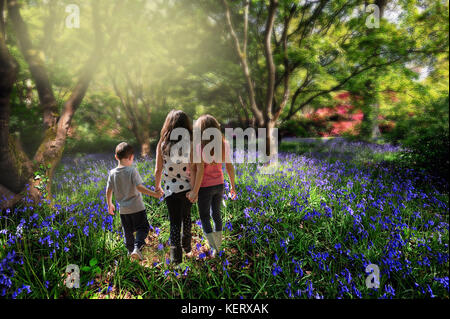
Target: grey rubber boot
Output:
[(218, 239), (212, 243)]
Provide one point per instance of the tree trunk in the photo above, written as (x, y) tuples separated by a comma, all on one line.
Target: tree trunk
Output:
[(242, 55), (145, 148), (264, 112), (244, 108), (372, 129), (270, 142), (17, 170), (271, 70), (375, 132), (10, 179), (8, 72), (143, 138), (49, 104)]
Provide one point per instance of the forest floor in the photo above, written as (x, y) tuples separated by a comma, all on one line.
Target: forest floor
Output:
[(307, 231)]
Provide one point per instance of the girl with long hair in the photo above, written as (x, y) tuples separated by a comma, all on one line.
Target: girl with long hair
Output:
[(174, 170), (208, 184)]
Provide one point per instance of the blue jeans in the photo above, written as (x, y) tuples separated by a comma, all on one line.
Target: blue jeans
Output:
[(136, 222), (209, 201)]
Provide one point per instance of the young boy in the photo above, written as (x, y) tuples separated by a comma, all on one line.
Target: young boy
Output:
[(126, 184)]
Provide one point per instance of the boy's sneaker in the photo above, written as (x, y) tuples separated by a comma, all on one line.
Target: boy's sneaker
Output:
[(137, 254)]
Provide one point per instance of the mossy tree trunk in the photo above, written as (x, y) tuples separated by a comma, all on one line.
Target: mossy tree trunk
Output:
[(20, 170), (15, 166)]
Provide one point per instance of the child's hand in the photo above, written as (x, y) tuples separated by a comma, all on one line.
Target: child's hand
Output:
[(192, 196), (232, 194), (159, 193), (158, 189), (111, 209)]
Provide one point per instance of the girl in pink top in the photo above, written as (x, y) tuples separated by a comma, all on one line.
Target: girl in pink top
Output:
[(209, 185), (212, 173)]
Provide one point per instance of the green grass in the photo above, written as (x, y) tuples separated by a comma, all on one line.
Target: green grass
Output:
[(279, 220)]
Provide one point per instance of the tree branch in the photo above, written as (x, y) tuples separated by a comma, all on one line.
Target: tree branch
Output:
[(243, 58), (342, 83), (287, 69), (269, 58)]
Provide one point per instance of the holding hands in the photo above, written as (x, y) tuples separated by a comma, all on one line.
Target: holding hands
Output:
[(192, 196), (158, 192)]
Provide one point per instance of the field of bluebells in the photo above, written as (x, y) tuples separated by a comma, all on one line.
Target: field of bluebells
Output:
[(307, 231)]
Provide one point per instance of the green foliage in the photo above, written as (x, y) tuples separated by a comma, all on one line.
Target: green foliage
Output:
[(92, 270), (178, 54), (102, 144), (90, 138), (26, 120), (294, 127), (295, 147), (42, 175), (425, 137)]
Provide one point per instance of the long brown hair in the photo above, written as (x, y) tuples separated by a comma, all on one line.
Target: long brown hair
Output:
[(175, 119), (208, 121)]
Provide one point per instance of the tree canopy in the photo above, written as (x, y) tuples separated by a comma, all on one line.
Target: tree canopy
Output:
[(115, 68)]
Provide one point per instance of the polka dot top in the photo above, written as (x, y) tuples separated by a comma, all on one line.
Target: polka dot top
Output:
[(175, 177)]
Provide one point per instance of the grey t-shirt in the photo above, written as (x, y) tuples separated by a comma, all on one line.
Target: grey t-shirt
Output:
[(123, 182)]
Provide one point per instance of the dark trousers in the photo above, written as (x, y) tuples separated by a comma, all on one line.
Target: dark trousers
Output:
[(209, 202), (136, 222), (180, 219)]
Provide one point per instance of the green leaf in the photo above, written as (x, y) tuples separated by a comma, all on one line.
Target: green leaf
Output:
[(86, 268), (93, 262)]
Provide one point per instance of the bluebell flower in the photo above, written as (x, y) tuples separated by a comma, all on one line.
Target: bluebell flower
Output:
[(86, 230)]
